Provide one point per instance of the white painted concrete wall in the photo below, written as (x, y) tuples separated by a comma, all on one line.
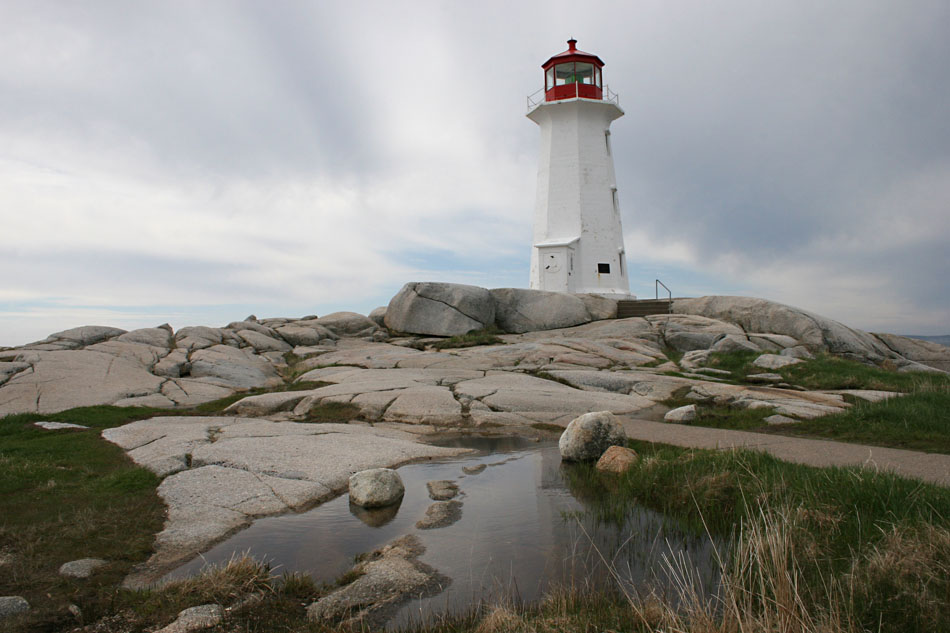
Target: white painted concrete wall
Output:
[(577, 198)]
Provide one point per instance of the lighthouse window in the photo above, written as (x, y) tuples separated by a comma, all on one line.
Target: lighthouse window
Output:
[(603, 269), (549, 79), (584, 73), (564, 74)]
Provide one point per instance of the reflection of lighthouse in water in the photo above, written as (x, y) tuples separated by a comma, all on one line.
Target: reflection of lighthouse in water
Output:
[(578, 238)]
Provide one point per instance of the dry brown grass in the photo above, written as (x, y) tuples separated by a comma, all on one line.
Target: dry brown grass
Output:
[(239, 577), (500, 619), (909, 570)]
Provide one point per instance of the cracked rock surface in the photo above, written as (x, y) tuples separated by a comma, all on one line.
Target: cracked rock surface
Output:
[(220, 473)]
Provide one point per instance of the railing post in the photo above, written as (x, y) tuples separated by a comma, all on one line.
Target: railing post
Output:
[(669, 293)]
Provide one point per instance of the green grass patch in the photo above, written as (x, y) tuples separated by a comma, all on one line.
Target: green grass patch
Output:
[(738, 362), (485, 336), (847, 523), (917, 421), (339, 412), (830, 372), (69, 494), (672, 354)]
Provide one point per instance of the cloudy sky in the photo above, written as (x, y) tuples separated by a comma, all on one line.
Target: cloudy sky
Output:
[(196, 162)]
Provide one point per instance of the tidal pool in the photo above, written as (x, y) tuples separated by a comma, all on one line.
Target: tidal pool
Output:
[(522, 532)]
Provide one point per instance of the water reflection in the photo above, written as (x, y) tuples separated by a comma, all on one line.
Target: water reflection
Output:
[(526, 527), (376, 517)]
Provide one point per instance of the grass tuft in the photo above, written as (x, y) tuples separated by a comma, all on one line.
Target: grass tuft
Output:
[(485, 336), (326, 412)]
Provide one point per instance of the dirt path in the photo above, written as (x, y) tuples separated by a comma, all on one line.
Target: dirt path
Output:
[(929, 467)]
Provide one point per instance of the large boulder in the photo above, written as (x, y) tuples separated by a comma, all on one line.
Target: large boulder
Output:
[(817, 333), (599, 306), (234, 368), (378, 316), (440, 309), (587, 437), (923, 352), (520, 310), (376, 487)]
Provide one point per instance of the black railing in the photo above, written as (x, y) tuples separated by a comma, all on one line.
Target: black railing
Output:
[(668, 292)]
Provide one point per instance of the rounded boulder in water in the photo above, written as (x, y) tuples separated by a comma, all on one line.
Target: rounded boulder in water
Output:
[(376, 488)]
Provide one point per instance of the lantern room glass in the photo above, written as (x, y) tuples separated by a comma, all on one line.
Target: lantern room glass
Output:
[(564, 74), (583, 73)]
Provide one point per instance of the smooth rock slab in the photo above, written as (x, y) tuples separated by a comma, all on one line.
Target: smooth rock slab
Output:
[(56, 426), (425, 405), (376, 488), (65, 379), (588, 436), (778, 420), (81, 568), (774, 361), (764, 378)]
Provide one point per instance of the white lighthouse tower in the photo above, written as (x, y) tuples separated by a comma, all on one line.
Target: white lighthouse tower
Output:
[(578, 240)]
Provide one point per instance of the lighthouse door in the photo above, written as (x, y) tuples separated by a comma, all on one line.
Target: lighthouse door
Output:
[(557, 267)]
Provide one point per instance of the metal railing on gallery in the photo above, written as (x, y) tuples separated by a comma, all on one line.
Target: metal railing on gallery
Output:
[(537, 98)]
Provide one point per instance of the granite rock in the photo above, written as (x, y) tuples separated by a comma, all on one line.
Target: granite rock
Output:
[(588, 436)]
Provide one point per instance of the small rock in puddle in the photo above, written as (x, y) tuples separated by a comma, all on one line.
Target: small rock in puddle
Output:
[(442, 490), (473, 470), (440, 514), (385, 579)]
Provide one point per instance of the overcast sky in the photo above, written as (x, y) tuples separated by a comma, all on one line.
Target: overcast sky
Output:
[(195, 162)]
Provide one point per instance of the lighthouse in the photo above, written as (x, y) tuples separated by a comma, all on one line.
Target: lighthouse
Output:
[(578, 239)]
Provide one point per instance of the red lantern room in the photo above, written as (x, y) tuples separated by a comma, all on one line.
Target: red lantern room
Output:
[(573, 74)]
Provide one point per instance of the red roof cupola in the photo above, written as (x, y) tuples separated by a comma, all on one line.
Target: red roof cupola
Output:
[(573, 74)]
